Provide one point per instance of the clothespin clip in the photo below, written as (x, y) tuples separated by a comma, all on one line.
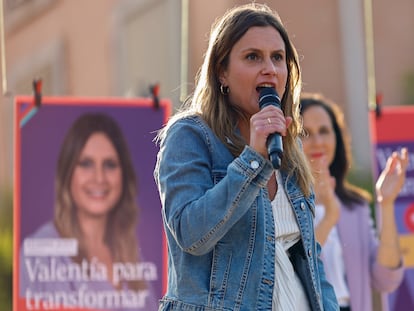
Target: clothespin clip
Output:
[(378, 103), (155, 92), (37, 92)]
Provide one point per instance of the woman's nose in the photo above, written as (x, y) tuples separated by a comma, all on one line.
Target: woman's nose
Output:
[(269, 67), (316, 138), (99, 174)]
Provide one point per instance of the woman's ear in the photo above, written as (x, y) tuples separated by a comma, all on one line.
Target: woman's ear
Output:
[(222, 77)]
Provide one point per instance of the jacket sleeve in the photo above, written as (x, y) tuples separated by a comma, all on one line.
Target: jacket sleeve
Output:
[(198, 210), (383, 278)]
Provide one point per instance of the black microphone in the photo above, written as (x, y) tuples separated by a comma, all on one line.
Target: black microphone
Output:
[(268, 96)]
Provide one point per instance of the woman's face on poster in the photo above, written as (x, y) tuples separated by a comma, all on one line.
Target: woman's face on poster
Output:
[(96, 184)]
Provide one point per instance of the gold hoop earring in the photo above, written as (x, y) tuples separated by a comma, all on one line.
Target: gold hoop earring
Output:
[(224, 89)]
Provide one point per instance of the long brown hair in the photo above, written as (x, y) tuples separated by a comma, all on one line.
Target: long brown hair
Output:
[(213, 106), (120, 235)]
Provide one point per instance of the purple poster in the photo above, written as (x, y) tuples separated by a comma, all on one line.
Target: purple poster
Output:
[(391, 131), (88, 231)]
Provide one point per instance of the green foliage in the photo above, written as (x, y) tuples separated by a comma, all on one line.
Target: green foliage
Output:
[(363, 179), (6, 249), (408, 88)]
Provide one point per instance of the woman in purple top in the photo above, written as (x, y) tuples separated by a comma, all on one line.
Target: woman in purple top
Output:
[(88, 257), (356, 258)]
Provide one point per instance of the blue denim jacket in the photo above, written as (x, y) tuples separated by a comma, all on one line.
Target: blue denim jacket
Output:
[(220, 229)]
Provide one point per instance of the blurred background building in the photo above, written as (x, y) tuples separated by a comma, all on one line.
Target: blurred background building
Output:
[(351, 50), (122, 47)]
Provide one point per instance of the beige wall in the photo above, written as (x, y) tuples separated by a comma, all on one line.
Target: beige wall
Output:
[(120, 47), (318, 46), (315, 28), (394, 49), (94, 48), (330, 39)]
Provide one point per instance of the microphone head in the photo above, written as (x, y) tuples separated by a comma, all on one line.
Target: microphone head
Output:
[(268, 96)]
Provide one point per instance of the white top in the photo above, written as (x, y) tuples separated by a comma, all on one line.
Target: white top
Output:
[(333, 261), (288, 293)]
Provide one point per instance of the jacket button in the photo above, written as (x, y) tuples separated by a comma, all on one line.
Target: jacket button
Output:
[(302, 206), (254, 164), (268, 282), (310, 253)]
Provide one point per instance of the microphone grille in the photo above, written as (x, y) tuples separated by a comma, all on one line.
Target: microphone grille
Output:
[(267, 96)]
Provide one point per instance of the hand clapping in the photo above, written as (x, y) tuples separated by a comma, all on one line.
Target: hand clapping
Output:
[(392, 178)]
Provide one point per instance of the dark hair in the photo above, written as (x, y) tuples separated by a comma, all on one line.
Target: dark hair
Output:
[(347, 192)]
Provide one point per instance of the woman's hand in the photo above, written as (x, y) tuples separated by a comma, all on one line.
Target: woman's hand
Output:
[(324, 188), (267, 121), (392, 178), (388, 186)]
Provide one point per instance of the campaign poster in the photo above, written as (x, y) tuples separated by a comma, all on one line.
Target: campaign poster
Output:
[(88, 231), (391, 130)]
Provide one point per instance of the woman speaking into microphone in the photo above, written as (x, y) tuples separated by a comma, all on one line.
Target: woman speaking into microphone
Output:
[(240, 232)]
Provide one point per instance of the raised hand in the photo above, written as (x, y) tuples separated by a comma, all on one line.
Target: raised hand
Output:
[(324, 188), (392, 178)]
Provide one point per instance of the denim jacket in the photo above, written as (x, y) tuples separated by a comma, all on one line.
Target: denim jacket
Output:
[(220, 229)]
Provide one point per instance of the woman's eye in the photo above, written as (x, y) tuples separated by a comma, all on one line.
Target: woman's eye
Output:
[(85, 163), (252, 56), (278, 57), (111, 164), (325, 131)]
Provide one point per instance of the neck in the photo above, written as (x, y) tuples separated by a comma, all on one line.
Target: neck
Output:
[(93, 229)]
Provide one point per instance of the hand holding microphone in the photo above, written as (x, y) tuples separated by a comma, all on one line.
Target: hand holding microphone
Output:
[(268, 96)]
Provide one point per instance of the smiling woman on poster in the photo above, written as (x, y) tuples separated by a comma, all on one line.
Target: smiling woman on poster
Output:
[(88, 257)]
